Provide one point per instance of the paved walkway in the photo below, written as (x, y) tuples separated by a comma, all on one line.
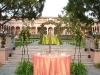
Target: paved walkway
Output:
[(9, 69)]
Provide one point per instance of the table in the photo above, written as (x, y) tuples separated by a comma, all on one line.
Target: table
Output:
[(52, 40), (51, 64)]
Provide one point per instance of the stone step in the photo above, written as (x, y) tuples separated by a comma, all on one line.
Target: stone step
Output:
[(17, 54), (87, 63), (18, 57), (39, 47), (31, 54)]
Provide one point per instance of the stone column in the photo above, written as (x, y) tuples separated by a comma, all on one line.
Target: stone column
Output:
[(10, 30), (36, 30), (47, 30), (52, 32), (64, 32)]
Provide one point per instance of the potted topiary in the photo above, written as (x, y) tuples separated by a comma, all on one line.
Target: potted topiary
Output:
[(25, 67), (78, 68)]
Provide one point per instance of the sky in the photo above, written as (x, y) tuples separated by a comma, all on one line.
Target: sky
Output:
[(53, 7)]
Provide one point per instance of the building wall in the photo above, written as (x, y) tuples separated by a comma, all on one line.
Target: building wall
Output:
[(15, 26)]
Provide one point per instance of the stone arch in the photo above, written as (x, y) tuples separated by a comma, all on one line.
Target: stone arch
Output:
[(51, 25), (32, 30), (17, 30), (46, 29), (39, 28), (5, 26), (12, 30)]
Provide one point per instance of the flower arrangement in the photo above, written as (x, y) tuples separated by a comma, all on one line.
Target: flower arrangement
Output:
[(3, 40), (3, 43), (77, 36), (24, 35), (96, 42)]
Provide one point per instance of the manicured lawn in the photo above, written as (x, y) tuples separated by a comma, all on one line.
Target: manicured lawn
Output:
[(74, 43), (19, 43)]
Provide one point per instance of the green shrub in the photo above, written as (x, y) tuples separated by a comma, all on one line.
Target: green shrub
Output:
[(97, 65), (78, 68), (24, 68)]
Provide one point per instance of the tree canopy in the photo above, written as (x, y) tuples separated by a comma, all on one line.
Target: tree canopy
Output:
[(15, 9), (83, 9), (80, 13)]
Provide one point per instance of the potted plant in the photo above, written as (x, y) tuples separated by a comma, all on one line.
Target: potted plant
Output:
[(78, 69), (95, 54), (97, 65), (24, 68)]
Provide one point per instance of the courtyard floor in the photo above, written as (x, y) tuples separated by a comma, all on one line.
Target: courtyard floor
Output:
[(9, 69)]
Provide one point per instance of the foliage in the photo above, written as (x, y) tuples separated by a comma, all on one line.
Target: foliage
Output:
[(24, 35), (78, 68), (58, 30), (73, 24), (79, 8), (77, 37), (49, 22), (96, 39), (20, 9), (74, 15), (41, 33), (97, 65), (24, 68), (19, 43)]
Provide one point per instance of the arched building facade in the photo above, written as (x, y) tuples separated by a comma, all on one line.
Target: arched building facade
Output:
[(96, 27), (15, 26)]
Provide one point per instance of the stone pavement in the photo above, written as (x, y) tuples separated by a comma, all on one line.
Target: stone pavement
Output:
[(9, 69)]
